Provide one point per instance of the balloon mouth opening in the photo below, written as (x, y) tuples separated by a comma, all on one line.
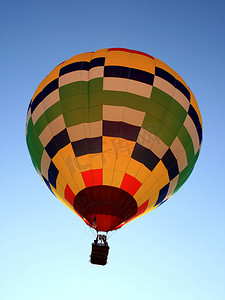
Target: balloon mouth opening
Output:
[(105, 208)]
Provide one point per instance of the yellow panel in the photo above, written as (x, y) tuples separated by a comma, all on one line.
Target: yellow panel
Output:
[(79, 181), (110, 144), (117, 178), (109, 160), (195, 105), (60, 184), (143, 63), (65, 171), (143, 173), (73, 186), (139, 194), (118, 58), (125, 147), (142, 199), (96, 161), (88, 56), (84, 162), (161, 174), (151, 185), (100, 53), (122, 163), (133, 167), (152, 200), (63, 156), (107, 176)]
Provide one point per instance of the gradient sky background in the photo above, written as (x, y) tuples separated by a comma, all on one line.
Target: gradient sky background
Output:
[(177, 251)]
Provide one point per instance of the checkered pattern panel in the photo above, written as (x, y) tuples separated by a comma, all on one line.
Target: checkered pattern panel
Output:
[(114, 117)]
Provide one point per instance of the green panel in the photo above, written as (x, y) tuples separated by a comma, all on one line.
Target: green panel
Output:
[(173, 123), (95, 98), (74, 88), (152, 124), (74, 102), (76, 117), (167, 135), (41, 124), (157, 110), (125, 99), (178, 111), (161, 97), (34, 145), (186, 141), (95, 85), (95, 113)]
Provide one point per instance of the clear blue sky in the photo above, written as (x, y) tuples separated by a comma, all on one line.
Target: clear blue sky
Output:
[(177, 251)]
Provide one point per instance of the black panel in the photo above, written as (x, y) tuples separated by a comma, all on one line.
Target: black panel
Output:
[(44, 93), (183, 89), (111, 128), (58, 142), (170, 163), (80, 65), (141, 76), (120, 129), (129, 73), (145, 156), (165, 75), (52, 174), (87, 146), (115, 71), (194, 116), (129, 132), (97, 62), (162, 194)]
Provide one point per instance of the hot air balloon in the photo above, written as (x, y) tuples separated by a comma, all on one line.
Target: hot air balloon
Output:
[(113, 134)]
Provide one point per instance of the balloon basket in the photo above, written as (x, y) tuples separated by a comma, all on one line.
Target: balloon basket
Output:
[(100, 250)]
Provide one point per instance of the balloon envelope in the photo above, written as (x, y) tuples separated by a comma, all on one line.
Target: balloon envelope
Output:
[(113, 134)]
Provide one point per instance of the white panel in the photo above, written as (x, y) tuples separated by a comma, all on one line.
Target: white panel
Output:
[(127, 85), (152, 142), (52, 129), (179, 153), (45, 163), (164, 85), (50, 99), (96, 72), (180, 98), (113, 113), (133, 116), (79, 75), (190, 126), (39, 110)]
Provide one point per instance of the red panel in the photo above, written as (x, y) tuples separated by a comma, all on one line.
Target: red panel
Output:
[(92, 177), (130, 184), (69, 195), (142, 208), (131, 51), (97, 175), (88, 178)]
